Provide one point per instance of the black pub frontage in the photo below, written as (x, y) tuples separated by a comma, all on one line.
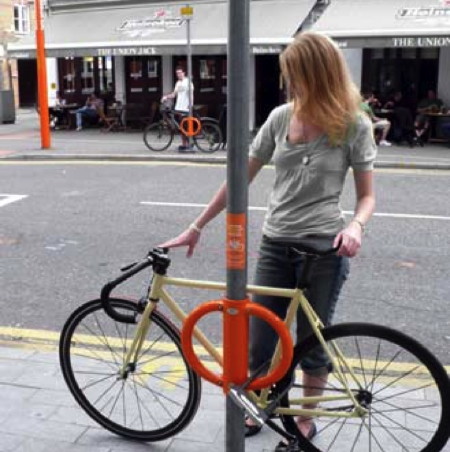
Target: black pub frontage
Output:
[(394, 45), (128, 50)]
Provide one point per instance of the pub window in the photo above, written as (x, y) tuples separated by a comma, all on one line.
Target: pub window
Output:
[(152, 68), (105, 74), (392, 54), (68, 75), (135, 76), (207, 75), (409, 54), (224, 76), (429, 53), (377, 54), (87, 76), (21, 17)]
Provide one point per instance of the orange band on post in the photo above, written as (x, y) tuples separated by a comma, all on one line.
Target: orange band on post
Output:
[(190, 126), (236, 241)]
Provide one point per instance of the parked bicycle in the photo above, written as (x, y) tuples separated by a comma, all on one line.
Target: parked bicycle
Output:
[(159, 136), (125, 365)]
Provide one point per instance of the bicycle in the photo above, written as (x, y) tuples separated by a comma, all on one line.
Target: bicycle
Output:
[(159, 136), (126, 367)]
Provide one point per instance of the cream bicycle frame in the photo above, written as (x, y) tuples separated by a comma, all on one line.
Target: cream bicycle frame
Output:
[(298, 300)]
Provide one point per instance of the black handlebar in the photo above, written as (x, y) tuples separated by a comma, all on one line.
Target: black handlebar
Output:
[(156, 258)]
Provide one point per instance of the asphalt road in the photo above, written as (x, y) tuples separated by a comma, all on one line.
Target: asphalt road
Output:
[(78, 223)]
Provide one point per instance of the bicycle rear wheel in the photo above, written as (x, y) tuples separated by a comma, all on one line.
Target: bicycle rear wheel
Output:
[(158, 396), (158, 136), (210, 137), (401, 384)]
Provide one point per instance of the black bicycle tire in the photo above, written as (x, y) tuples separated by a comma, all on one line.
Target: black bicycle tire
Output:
[(437, 371), (193, 400), (217, 144), (153, 127)]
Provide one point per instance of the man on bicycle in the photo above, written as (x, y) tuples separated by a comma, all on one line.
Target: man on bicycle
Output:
[(181, 92)]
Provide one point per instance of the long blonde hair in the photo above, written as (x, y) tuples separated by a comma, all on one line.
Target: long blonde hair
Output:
[(320, 84)]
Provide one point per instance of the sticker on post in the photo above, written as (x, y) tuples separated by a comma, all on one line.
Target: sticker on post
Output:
[(236, 241)]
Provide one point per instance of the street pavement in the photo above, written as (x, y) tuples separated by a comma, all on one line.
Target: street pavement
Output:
[(37, 412), (21, 141)]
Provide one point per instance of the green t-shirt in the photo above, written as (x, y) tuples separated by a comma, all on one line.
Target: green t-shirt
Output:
[(366, 108), (309, 177)]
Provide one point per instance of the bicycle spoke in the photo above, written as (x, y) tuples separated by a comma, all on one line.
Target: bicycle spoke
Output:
[(153, 392), (388, 431), (409, 410), (156, 357), (356, 438), (361, 361), (401, 426), (151, 346), (165, 380), (150, 414), (105, 342), (97, 382), (375, 366), (396, 380)]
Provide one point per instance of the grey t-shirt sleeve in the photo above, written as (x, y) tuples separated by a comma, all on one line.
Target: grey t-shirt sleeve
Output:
[(264, 143), (363, 148)]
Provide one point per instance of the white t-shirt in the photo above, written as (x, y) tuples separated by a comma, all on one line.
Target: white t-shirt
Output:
[(182, 91)]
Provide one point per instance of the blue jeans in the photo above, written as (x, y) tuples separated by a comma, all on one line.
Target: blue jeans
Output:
[(278, 267), (85, 112)]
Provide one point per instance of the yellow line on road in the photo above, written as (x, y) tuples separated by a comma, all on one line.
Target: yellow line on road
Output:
[(45, 340)]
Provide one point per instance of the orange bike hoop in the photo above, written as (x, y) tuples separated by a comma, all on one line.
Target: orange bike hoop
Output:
[(190, 126), (238, 311)]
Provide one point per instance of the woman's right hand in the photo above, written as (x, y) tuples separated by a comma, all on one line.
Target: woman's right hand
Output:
[(188, 238)]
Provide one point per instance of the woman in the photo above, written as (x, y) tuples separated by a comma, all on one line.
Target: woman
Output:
[(312, 141)]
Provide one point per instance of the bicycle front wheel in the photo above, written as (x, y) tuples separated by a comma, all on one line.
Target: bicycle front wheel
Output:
[(403, 387), (158, 136), (210, 137), (158, 395)]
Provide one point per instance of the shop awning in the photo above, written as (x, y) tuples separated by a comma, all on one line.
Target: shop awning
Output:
[(387, 23), (159, 29)]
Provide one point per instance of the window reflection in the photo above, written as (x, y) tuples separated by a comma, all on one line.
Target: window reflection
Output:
[(207, 75), (135, 75), (68, 75), (87, 76)]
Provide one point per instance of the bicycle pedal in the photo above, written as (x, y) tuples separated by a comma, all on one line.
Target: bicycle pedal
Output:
[(241, 399)]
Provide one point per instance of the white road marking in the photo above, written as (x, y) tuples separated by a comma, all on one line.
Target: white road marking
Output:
[(8, 199), (346, 212)]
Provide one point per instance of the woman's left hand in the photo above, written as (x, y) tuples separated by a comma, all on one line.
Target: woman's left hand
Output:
[(350, 239)]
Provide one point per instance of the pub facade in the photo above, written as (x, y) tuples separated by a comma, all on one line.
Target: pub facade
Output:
[(394, 45), (128, 50)]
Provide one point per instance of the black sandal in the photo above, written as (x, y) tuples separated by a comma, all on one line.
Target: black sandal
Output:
[(293, 447), (251, 430)]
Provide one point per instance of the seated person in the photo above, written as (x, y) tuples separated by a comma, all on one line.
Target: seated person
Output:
[(92, 110), (57, 115), (395, 101), (383, 125), (421, 128), (430, 103)]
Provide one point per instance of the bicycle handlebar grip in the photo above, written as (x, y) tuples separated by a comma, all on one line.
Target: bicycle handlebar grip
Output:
[(252, 309), (109, 287)]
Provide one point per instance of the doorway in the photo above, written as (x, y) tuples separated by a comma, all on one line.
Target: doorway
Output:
[(267, 86), (27, 72)]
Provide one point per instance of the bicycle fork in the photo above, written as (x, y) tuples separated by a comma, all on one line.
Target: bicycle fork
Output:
[(129, 364)]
